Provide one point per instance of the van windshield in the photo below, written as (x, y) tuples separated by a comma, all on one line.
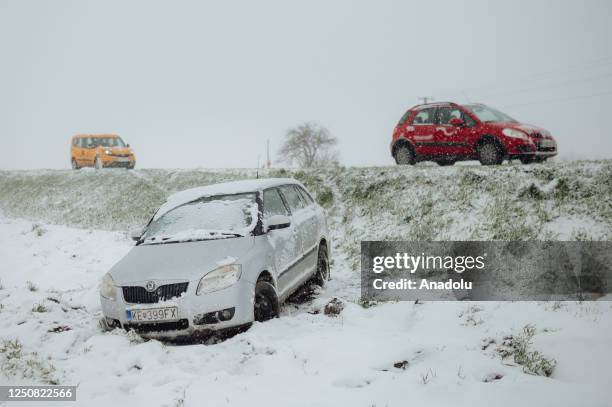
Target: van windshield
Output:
[(214, 217), (107, 142)]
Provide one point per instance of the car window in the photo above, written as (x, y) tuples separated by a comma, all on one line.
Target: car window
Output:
[(305, 195), (445, 114), (273, 203), (424, 116), (292, 197)]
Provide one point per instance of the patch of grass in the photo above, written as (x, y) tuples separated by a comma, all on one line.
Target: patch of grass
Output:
[(39, 308), (325, 197), (38, 230), (31, 286), (15, 362), (519, 348)]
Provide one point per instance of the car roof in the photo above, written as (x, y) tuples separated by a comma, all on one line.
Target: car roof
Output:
[(433, 104), (233, 187), (96, 135)]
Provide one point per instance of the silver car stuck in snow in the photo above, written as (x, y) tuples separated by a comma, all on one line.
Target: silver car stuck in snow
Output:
[(219, 256)]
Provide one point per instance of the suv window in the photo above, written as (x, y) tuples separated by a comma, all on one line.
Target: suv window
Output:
[(424, 116), (273, 203), (292, 197)]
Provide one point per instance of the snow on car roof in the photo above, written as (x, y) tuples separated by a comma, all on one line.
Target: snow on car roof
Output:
[(234, 187)]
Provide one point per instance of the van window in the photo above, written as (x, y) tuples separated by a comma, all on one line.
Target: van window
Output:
[(273, 203)]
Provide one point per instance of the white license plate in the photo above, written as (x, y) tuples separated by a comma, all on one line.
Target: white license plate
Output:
[(547, 143), (122, 159), (152, 314)]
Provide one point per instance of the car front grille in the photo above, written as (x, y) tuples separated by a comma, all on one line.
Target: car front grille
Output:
[(179, 325), (139, 295)]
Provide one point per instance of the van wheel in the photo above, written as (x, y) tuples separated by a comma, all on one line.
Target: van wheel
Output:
[(74, 164), (404, 156), (322, 274), (490, 154), (98, 163), (266, 304)]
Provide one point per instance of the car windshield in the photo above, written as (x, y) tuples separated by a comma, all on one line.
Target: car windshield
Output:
[(486, 114), (107, 142), (214, 217)]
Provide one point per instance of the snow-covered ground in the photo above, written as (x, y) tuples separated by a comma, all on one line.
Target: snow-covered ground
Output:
[(434, 353)]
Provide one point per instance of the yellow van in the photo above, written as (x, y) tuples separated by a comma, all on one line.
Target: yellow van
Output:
[(99, 151)]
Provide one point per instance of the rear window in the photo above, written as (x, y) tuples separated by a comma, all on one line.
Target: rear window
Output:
[(425, 116), (404, 118)]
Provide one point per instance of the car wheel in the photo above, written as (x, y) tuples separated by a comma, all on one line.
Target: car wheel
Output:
[(444, 163), (404, 156), (266, 304), (98, 163), (74, 164), (489, 153), (322, 274)]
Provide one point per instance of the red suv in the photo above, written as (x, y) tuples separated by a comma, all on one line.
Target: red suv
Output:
[(448, 132)]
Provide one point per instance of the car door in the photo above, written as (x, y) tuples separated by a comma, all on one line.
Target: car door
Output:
[(311, 230), (286, 243), (451, 140), (423, 124), (299, 218)]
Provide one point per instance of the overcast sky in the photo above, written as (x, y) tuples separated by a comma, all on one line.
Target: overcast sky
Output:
[(205, 84)]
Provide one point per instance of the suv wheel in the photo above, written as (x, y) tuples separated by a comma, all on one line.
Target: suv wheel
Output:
[(74, 164), (98, 163), (266, 304), (404, 156), (489, 153), (322, 274)]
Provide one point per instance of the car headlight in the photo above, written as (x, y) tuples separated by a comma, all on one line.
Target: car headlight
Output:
[(107, 287), (107, 152), (515, 134), (220, 278)]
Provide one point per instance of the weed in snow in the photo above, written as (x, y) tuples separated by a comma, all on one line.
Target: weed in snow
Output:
[(519, 348), (31, 286), (14, 360)]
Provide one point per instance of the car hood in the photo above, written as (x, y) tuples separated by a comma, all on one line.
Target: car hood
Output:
[(527, 128), (178, 261)]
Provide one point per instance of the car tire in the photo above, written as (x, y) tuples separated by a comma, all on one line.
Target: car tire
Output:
[(444, 163), (98, 163), (404, 156), (489, 153), (322, 274), (74, 164), (265, 304)]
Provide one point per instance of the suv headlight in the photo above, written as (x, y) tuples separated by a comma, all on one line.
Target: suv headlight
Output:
[(220, 278), (107, 287), (515, 134)]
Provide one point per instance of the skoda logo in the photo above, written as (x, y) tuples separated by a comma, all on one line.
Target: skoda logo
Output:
[(150, 286)]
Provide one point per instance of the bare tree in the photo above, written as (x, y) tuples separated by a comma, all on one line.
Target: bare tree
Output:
[(309, 145)]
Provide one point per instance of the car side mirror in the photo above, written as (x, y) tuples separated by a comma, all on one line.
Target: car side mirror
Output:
[(136, 234), (275, 222), (457, 122)]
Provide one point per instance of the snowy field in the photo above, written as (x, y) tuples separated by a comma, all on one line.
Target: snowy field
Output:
[(60, 232)]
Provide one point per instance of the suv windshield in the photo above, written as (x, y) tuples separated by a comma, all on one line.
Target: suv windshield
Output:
[(214, 217), (486, 114), (107, 142)]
